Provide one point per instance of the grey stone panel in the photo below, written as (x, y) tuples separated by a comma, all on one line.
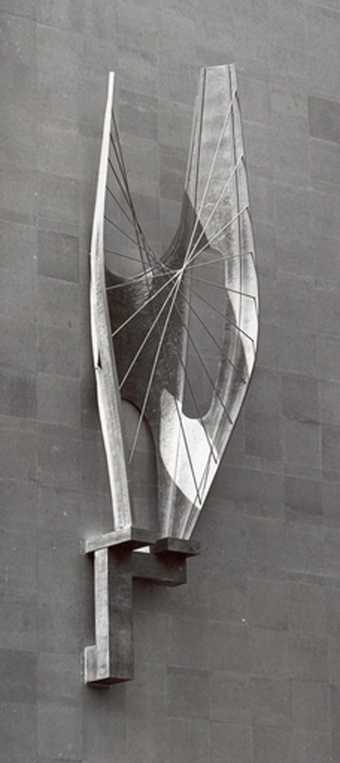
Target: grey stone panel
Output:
[(138, 114), (152, 636), (302, 499), (323, 30), (324, 219), (292, 211), (229, 742), (66, 15), (326, 256), (268, 603), (267, 551), (229, 647), (18, 580), (302, 443), (149, 680), (308, 657), (18, 188), (59, 510), (58, 204), (18, 341), (19, 624), (59, 731), (300, 399), (264, 394), (269, 652), (334, 661), (18, 393), (58, 72), (304, 549), (188, 693), (329, 393), (296, 351), (58, 400), (18, 137), (19, 8), (330, 502), (331, 451), (292, 156), (324, 119), (333, 611), (16, 295), (58, 256), (249, 486), (270, 741), (18, 676), (134, 77), (188, 643), (289, 107), (311, 705), (327, 307), (263, 437), (18, 456), (58, 303), (270, 700), (188, 741), (229, 698), (328, 357), (228, 596), (18, 243), (17, 747), (59, 457), (146, 739), (295, 256), (59, 351), (324, 165), (311, 747), (295, 302), (18, 60), (93, 473), (308, 608)]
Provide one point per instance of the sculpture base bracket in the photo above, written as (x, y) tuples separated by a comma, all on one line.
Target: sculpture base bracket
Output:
[(117, 560)]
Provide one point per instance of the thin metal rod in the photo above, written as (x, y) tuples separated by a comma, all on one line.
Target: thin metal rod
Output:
[(188, 382), (220, 232), (127, 193), (224, 257), (118, 181), (153, 370), (224, 288), (212, 336), (120, 254), (148, 334), (219, 141), (120, 206), (205, 368), (226, 319), (123, 232), (141, 307), (217, 203)]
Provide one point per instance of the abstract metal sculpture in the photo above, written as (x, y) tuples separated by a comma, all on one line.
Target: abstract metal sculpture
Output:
[(175, 335)]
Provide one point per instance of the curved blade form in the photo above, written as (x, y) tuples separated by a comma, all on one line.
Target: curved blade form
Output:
[(185, 325)]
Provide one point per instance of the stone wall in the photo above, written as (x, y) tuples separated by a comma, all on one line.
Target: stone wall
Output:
[(243, 664)]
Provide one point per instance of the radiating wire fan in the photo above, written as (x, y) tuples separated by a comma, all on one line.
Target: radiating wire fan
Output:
[(176, 335)]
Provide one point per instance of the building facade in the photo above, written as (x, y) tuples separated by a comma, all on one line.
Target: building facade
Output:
[(242, 665)]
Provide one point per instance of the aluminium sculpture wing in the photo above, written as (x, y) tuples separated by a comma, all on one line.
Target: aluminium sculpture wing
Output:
[(176, 335)]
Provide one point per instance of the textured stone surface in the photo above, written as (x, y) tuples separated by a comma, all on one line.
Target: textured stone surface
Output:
[(242, 664)]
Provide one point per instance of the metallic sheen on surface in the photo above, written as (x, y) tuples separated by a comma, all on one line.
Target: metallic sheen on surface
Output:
[(181, 324)]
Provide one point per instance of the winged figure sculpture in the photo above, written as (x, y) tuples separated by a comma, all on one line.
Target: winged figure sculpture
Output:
[(175, 334)]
